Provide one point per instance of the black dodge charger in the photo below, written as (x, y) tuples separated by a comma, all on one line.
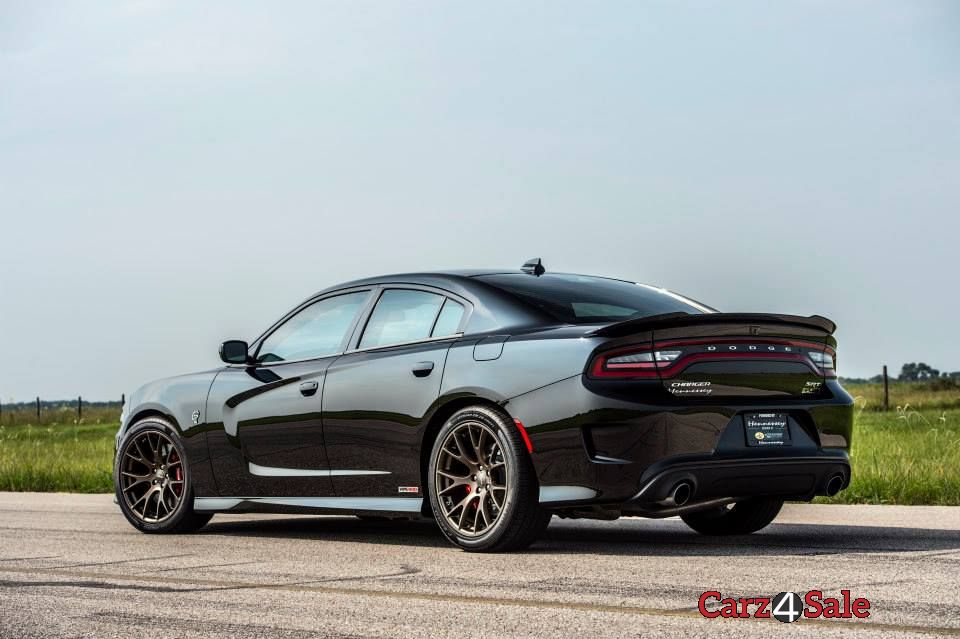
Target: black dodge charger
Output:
[(491, 401)]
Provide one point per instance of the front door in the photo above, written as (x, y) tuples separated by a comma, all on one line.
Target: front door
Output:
[(376, 398), (271, 442)]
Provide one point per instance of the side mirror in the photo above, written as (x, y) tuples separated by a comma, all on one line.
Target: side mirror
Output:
[(234, 351)]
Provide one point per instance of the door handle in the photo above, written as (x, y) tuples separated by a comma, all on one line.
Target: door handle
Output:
[(309, 388), (422, 369)]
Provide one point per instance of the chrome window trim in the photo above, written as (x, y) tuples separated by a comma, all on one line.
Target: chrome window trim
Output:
[(349, 352), (426, 340)]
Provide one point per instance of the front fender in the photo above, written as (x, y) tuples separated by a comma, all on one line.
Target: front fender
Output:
[(181, 402)]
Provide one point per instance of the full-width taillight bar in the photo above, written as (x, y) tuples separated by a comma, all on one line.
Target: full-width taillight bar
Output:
[(669, 358)]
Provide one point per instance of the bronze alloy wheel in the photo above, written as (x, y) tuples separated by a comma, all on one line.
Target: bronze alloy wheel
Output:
[(472, 478), (151, 476)]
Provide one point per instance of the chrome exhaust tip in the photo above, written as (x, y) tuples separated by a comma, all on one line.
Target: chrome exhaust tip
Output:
[(834, 484), (680, 495)]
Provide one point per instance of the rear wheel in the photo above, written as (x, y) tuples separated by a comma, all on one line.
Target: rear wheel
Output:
[(741, 518), (482, 486), (152, 480)]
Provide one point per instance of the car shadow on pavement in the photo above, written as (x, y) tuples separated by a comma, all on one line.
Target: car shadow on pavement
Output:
[(633, 537), (622, 537)]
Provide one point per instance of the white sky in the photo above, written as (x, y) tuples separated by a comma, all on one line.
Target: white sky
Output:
[(174, 174)]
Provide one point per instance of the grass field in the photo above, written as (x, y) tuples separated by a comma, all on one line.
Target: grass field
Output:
[(940, 395), (68, 458), (910, 455), (904, 457)]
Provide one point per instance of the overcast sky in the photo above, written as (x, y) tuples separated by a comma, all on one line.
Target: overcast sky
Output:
[(175, 174)]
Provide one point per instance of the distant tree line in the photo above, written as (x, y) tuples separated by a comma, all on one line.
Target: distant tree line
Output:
[(914, 372)]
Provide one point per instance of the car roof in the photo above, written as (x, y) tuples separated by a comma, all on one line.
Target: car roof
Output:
[(456, 275), (494, 309)]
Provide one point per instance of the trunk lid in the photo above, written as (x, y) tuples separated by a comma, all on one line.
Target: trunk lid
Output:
[(747, 355)]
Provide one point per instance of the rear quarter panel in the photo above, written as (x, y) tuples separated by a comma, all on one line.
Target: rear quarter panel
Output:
[(527, 362)]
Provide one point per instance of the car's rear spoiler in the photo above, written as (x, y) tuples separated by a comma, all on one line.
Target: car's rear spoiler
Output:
[(671, 320)]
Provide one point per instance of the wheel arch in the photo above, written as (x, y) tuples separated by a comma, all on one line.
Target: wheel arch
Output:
[(443, 412), (147, 411)]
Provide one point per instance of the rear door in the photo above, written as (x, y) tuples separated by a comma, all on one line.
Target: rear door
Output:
[(377, 396)]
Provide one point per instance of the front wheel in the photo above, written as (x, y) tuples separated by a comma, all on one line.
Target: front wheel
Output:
[(482, 485), (741, 518), (152, 480)]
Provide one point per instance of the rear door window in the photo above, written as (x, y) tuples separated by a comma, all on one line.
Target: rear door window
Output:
[(448, 321), (401, 315)]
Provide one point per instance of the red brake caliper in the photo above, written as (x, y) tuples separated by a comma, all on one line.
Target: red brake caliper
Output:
[(475, 503), (177, 472)]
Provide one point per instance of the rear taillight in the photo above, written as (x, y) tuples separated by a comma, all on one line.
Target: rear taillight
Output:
[(826, 361), (667, 359), (642, 360)]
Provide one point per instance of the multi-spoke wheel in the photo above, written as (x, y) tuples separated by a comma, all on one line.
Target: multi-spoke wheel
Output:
[(151, 476), (482, 486), (152, 480), (471, 478)]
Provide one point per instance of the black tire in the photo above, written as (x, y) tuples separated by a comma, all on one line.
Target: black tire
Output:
[(179, 519), (520, 519), (743, 518)]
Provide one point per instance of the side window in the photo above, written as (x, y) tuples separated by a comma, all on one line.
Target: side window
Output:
[(316, 331), (449, 319), (401, 315)]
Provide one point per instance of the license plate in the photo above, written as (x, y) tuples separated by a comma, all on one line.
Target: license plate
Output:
[(767, 429)]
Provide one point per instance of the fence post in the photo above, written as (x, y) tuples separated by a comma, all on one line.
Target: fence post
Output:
[(886, 389), (79, 408), (38, 411)]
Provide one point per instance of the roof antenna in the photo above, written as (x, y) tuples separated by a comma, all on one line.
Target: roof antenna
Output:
[(534, 267)]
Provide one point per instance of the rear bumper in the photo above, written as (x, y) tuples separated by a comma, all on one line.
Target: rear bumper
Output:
[(797, 478), (631, 448)]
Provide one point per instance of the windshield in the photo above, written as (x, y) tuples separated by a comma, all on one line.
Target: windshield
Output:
[(581, 299)]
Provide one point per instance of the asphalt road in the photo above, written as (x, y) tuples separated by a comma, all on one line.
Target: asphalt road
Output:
[(70, 566)]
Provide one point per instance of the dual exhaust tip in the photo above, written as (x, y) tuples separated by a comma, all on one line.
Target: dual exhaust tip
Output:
[(682, 492), (835, 484)]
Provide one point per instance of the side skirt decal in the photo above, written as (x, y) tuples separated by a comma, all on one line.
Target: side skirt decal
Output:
[(390, 504), (268, 471)]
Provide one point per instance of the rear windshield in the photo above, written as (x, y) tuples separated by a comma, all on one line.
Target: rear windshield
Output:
[(580, 299)]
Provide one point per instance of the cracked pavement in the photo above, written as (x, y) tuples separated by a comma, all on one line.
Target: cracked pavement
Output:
[(70, 566)]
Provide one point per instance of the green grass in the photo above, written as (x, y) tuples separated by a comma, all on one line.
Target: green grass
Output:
[(70, 458), (905, 456)]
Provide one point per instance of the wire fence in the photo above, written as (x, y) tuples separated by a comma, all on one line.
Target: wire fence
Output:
[(60, 412)]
